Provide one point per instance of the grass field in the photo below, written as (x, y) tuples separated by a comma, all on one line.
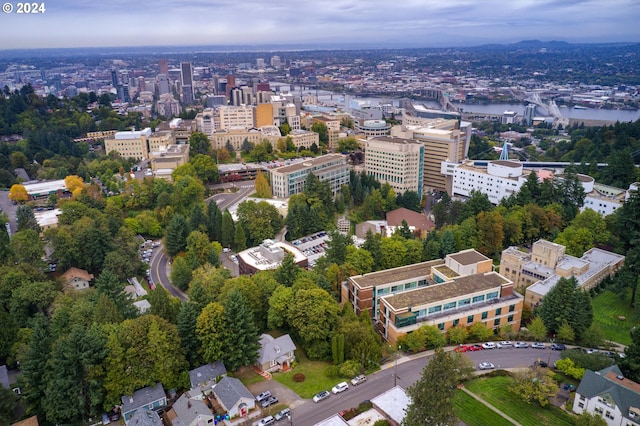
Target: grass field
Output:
[(315, 378), (607, 307), (474, 413), (495, 390)]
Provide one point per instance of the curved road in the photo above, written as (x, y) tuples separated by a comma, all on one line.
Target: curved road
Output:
[(308, 413)]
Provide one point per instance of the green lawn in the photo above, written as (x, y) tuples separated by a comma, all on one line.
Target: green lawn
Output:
[(475, 413), (315, 378), (495, 390), (607, 306)]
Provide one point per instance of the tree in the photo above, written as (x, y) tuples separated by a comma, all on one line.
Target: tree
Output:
[(108, 284), (181, 273), (565, 333), (630, 364), (176, 236), (537, 329), (228, 229), (322, 131), (8, 403), (590, 419), (199, 144), (260, 220), (534, 385), (25, 219), (240, 238), (186, 324), (74, 185), (566, 302), (263, 189), (18, 193), (313, 318), (35, 366), (240, 331), (432, 395), (336, 251), (480, 332), (209, 329), (457, 334), (288, 271), (206, 169), (26, 247), (163, 304)]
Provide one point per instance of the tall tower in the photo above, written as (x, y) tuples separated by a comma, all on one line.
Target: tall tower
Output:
[(114, 78), (164, 66), (186, 80)]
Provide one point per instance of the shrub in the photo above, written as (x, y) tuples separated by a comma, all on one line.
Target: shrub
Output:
[(349, 368), (332, 371), (381, 423), (298, 377)]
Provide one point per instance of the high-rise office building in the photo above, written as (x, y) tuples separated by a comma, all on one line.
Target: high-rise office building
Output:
[(186, 82), (260, 63), (231, 83), (164, 66), (163, 84), (529, 113), (275, 61), (114, 78)]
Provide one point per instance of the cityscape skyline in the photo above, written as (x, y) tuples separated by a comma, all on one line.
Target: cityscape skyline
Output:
[(415, 23)]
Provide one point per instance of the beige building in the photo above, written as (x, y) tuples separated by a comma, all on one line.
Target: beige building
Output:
[(462, 289), (206, 122), (264, 114), (333, 129), (235, 137), (129, 144), (539, 271), (236, 117), (304, 138), (289, 180), (165, 161), (396, 161)]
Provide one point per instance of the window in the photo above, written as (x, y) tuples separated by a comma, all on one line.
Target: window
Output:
[(441, 326), (498, 311), (394, 288), (435, 309), (581, 405), (510, 318), (484, 315), (496, 322), (493, 295), (469, 319), (512, 308), (598, 410), (448, 306), (455, 322), (609, 415), (478, 299), (464, 302)]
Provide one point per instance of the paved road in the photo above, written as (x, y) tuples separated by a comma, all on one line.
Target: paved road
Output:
[(227, 199), (408, 372), (158, 267)]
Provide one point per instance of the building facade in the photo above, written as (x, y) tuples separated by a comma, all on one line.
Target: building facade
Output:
[(304, 138), (236, 117), (289, 180), (396, 161)]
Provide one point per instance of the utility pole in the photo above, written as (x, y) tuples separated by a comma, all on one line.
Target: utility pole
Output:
[(395, 368)]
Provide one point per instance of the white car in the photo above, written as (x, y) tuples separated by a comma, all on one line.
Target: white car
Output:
[(358, 379), (489, 345), (486, 366), (538, 345), (504, 344), (340, 387), (521, 345), (320, 396)]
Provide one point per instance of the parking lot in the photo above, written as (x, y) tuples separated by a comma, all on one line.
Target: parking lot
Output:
[(313, 246)]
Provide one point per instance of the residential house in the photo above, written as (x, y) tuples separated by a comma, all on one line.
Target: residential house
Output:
[(30, 421), (187, 411), (417, 222), (4, 377), (234, 397), (204, 378), (275, 353), (149, 398), (77, 279), (145, 418), (610, 395)]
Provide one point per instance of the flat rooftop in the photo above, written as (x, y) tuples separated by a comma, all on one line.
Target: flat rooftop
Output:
[(450, 290), (506, 163), (254, 256), (391, 139), (402, 273), (468, 257), (310, 163), (40, 188)]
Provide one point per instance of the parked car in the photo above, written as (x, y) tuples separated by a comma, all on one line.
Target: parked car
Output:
[(105, 419), (521, 345), (486, 366), (269, 401), (282, 414), (320, 396), (266, 421), (340, 387), (538, 345), (558, 347), (264, 395), (504, 344), (540, 364), (489, 345), (358, 379), (462, 348), (590, 351), (474, 348)]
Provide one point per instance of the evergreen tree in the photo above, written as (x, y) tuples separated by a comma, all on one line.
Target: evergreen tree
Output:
[(630, 364), (198, 220), (566, 302), (34, 367), (336, 251), (26, 219), (163, 304), (214, 224), (228, 229), (447, 243), (109, 285), (372, 245), (176, 235), (239, 238), (288, 271), (241, 332), (187, 317)]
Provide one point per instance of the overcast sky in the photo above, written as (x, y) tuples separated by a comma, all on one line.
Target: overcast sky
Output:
[(426, 23)]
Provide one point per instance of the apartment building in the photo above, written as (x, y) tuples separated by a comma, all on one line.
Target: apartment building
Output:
[(462, 289), (289, 180), (166, 159), (129, 144), (304, 138), (236, 117), (537, 272), (396, 161)]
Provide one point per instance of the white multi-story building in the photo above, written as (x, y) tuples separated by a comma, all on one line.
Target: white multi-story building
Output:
[(205, 122), (236, 117), (396, 161), (289, 180)]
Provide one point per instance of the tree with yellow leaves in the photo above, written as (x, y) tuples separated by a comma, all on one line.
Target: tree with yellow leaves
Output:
[(263, 189), (18, 193), (74, 184)]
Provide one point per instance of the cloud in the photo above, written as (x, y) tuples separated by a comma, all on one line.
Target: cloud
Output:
[(75, 23)]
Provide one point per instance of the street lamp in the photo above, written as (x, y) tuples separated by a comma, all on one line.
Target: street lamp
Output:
[(395, 368)]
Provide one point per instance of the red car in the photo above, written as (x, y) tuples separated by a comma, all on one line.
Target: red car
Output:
[(462, 348), (474, 348)]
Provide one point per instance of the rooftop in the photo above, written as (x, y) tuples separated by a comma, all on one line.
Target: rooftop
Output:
[(393, 139), (414, 219), (402, 273), (468, 257), (310, 163), (450, 290), (257, 258), (507, 163), (47, 187), (393, 402)]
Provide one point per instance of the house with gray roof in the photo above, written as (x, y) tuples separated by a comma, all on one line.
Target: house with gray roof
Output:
[(149, 398), (234, 397), (145, 418), (4, 377), (204, 378), (610, 395), (188, 411), (275, 353)]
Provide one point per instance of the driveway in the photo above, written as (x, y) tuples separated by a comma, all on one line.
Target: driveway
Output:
[(285, 395)]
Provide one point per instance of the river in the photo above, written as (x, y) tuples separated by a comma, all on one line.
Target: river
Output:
[(339, 100)]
